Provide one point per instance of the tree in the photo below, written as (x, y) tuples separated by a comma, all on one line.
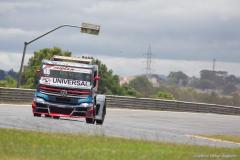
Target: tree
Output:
[(109, 83), (29, 78), (229, 88), (165, 95), (8, 82), (2, 74), (232, 79), (216, 77), (12, 74), (205, 84), (142, 85), (130, 91), (235, 99), (230, 85), (178, 78)]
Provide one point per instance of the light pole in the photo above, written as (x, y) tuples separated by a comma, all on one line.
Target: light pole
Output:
[(85, 28)]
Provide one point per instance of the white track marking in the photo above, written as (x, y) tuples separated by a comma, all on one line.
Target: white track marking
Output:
[(212, 139)]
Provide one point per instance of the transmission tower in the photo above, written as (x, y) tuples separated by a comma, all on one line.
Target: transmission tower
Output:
[(148, 61), (214, 63), (148, 68)]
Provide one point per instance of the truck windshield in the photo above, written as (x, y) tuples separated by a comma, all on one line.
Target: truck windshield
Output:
[(70, 75)]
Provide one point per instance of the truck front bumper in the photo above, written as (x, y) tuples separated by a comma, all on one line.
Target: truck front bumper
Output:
[(62, 110)]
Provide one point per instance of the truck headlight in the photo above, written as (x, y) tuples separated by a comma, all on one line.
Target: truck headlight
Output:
[(39, 100), (86, 105)]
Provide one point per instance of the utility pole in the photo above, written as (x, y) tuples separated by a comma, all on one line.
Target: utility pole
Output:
[(85, 28)]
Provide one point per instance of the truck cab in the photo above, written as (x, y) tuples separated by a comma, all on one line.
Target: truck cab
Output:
[(67, 87)]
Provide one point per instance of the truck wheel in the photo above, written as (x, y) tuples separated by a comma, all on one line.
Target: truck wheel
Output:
[(100, 122), (36, 115), (90, 120), (56, 117)]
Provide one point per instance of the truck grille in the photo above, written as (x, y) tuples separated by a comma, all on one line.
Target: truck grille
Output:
[(41, 105), (58, 110), (63, 99), (69, 92)]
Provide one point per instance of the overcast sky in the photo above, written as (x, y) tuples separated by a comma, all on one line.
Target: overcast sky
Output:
[(180, 32)]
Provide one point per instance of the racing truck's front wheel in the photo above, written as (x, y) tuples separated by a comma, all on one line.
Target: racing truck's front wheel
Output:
[(90, 120), (36, 115), (100, 121), (55, 117)]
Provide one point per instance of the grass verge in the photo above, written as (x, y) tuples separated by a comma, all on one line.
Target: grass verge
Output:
[(24, 145)]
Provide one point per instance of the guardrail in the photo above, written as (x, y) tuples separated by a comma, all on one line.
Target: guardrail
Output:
[(15, 95)]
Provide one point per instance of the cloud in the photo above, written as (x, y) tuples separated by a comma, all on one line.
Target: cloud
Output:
[(12, 39), (14, 32), (134, 66), (177, 30), (11, 60)]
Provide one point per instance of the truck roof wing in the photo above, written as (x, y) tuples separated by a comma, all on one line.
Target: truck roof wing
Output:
[(84, 60), (69, 64)]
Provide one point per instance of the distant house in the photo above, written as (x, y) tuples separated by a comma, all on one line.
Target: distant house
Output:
[(222, 74), (155, 80), (126, 79)]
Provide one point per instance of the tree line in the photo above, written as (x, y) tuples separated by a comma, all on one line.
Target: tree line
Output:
[(211, 87)]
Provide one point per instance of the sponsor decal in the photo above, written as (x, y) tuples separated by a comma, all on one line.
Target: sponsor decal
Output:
[(46, 80), (48, 68), (65, 82), (63, 68), (69, 82)]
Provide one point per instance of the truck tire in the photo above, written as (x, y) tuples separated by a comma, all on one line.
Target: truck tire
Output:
[(36, 115), (90, 120), (56, 117), (98, 121)]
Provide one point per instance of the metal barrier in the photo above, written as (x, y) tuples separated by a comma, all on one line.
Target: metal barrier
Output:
[(15, 95)]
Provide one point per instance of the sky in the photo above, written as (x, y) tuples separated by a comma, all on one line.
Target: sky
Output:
[(184, 35)]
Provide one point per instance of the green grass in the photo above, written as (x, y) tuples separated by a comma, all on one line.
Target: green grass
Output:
[(231, 138), (25, 145)]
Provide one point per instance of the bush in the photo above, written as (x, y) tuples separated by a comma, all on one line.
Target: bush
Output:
[(165, 95), (8, 81)]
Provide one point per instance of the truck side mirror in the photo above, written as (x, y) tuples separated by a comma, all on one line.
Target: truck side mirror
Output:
[(97, 78)]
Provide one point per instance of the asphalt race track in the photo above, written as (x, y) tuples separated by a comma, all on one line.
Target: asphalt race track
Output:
[(177, 127)]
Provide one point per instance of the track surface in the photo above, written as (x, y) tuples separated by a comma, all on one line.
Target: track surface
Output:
[(177, 127)]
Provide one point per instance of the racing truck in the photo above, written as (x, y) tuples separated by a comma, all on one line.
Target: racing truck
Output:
[(67, 87)]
